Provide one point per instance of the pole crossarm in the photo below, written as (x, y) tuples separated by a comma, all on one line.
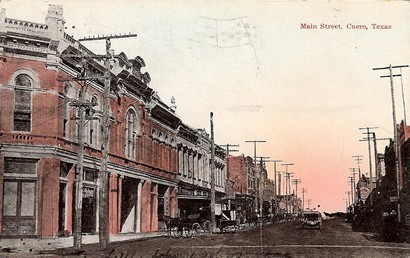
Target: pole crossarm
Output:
[(388, 76), (103, 37), (87, 56), (368, 139), (388, 67), (396, 137), (227, 146), (103, 214)]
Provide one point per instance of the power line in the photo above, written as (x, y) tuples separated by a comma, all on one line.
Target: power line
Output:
[(354, 184), (296, 182), (378, 169), (358, 159), (304, 190), (105, 124), (287, 183), (228, 150), (260, 212), (368, 143), (396, 144)]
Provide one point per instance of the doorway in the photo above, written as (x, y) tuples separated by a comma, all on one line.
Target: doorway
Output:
[(19, 208), (88, 216)]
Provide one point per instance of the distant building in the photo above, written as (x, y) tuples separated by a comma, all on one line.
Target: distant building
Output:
[(194, 175)]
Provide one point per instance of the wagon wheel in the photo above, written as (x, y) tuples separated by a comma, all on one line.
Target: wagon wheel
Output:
[(196, 229), (187, 232), (175, 232), (207, 226)]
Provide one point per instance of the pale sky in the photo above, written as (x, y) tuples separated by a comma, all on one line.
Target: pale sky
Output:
[(305, 92)]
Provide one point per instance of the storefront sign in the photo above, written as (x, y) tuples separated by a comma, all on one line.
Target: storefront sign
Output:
[(364, 192), (88, 192)]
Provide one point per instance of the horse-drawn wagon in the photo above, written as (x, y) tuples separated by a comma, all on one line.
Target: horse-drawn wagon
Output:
[(191, 225)]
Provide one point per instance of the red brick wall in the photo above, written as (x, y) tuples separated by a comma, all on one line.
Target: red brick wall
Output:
[(47, 116), (114, 203), (48, 189), (70, 197), (146, 207), (236, 171)]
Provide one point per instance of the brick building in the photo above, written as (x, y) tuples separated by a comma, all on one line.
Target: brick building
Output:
[(241, 171), (39, 143), (157, 164), (383, 199)]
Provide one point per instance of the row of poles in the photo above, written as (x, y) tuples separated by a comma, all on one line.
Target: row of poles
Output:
[(371, 136)]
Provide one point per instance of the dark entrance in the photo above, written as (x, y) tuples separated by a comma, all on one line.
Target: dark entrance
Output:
[(62, 207), (129, 202), (163, 204), (88, 216)]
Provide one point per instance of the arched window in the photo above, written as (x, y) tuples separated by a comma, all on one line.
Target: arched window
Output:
[(131, 134), (23, 80), (22, 103)]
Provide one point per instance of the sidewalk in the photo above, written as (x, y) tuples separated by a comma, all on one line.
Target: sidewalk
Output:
[(35, 245)]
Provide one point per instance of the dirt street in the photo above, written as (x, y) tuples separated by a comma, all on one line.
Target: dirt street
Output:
[(286, 239)]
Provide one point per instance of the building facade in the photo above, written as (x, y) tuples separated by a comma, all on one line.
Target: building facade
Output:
[(39, 136), (194, 174), (157, 165)]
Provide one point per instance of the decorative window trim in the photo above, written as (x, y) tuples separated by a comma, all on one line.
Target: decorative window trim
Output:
[(22, 117), (131, 139), (33, 75)]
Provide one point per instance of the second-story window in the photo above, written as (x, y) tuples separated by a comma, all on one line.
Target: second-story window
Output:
[(22, 103), (131, 134)]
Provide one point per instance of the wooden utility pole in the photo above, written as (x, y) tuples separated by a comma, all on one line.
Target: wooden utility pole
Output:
[(296, 182), (254, 151), (261, 185), (260, 222), (280, 182), (105, 127), (275, 186), (358, 159), (77, 237), (396, 138), (275, 182), (274, 170), (348, 195), (287, 183), (354, 195), (377, 168), (103, 211), (368, 143), (82, 105), (212, 165), (304, 190)]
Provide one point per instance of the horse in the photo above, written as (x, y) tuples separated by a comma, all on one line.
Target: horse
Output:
[(171, 223)]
